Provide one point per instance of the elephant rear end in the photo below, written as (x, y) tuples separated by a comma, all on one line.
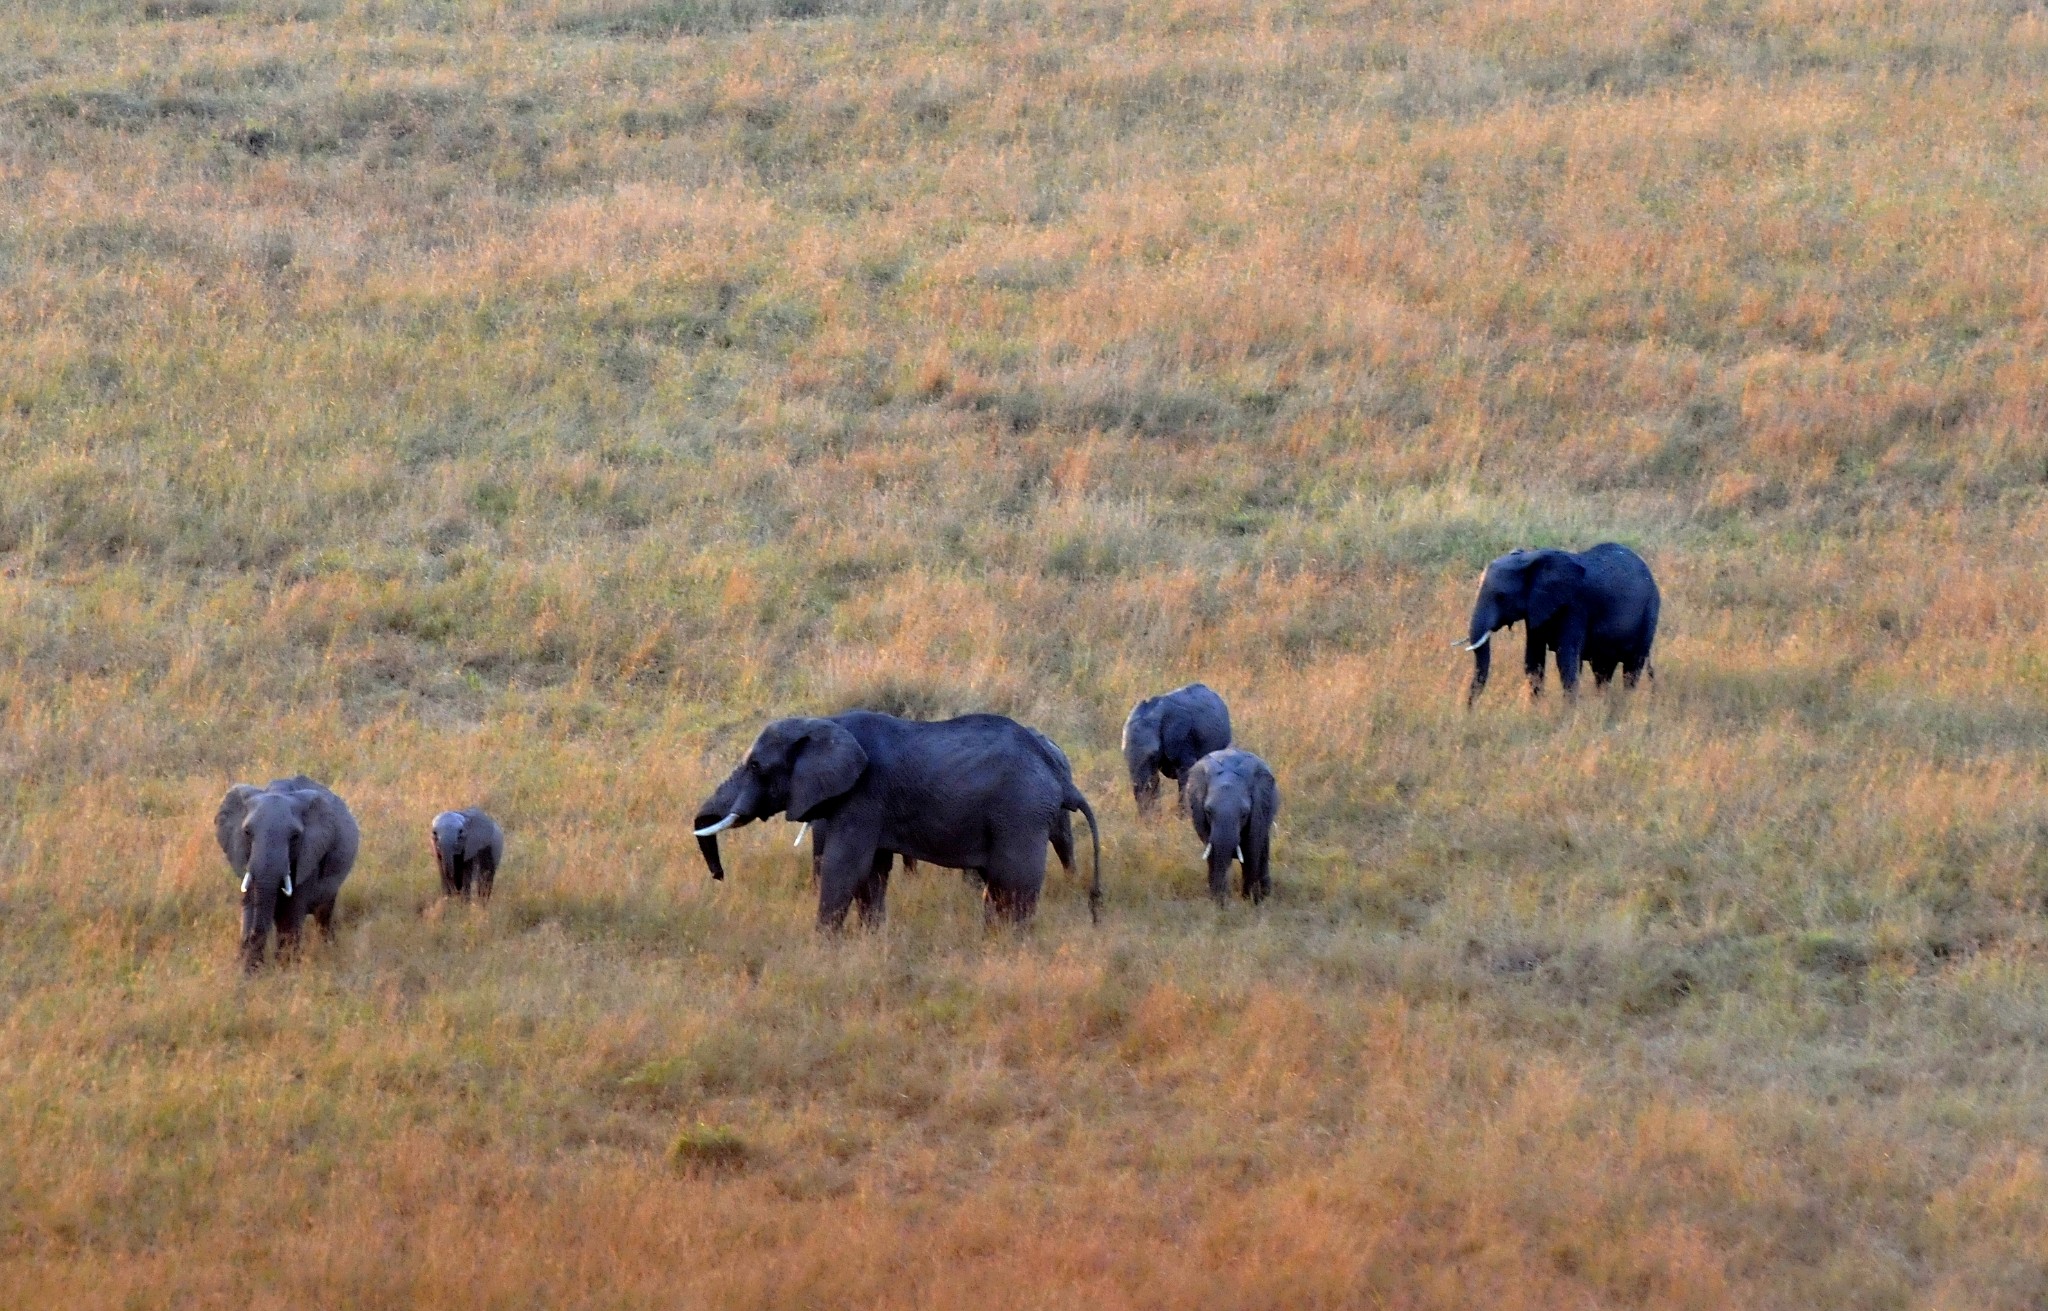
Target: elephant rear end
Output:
[(1628, 626)]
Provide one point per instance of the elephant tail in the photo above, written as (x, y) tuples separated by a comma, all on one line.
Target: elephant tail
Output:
[(1075, 801)]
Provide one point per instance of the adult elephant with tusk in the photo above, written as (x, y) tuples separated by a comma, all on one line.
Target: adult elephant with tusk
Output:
[(292, 844), (1596, 607), (1232, 799), (980, 792)]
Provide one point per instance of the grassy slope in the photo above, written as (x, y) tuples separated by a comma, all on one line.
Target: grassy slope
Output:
[(519, 402)]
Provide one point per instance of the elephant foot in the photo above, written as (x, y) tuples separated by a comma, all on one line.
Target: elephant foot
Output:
[(1007, 908)]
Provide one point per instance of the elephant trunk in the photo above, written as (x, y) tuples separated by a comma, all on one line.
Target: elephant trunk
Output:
[(1143, 764), (729, 807), (1145, 791), (1226, 838), (259, 906), (451, 865), (709, 846), (1485, 619)]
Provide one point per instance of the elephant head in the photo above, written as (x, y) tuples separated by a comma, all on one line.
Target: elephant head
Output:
[(1144, 753), (1520, 587), (450, 850), (797, 766)]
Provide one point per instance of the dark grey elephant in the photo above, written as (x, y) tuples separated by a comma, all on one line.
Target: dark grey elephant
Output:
[(468, 845), (1061, 837), (1597, 607), (292, 844), (1167, 734), (980, 792), (1232, 798)]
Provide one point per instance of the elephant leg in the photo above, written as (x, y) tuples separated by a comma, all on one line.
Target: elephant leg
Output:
[(291, 918), (1257, 876), (451, 880), (1570, 654), (1603, 672), (1180, 793), (486, 875), (323, 915), (1533, 657), (872, 894), (844, 862), (1015, 874), (1632, 670)]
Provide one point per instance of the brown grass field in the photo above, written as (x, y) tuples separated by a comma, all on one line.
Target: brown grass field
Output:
[(519, 401)]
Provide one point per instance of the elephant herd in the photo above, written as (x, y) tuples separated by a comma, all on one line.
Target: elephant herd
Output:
[(980, 793)]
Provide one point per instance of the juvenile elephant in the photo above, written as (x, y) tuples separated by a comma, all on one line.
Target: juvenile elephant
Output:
[(1232, 798), (979, 793), (1167, 734), (1598, 607), (468, 844), (292, 844)]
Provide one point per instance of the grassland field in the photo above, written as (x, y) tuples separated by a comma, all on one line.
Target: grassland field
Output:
[(520, 401)]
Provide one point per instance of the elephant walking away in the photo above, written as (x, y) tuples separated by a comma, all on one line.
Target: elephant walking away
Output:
[(1167, 734), (468, 846), (292, 844), (980, 792), (1233, 799), (1597, 607)]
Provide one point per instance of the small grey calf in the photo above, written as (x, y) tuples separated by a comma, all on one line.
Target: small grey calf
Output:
[(1232, 798), (468, 844)]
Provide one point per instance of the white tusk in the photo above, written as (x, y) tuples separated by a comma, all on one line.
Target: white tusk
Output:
[(245, 881), (1240, 855), (1474, 646), (1205, 849), (287, 885), (720, 827), (800, 834)]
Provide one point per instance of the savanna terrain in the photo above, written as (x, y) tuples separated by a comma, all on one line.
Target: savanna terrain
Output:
[(519, 401)]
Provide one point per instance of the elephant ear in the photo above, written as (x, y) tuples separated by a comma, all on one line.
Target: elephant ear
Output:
[(317, 808), (1555, 582), (1197, 793), (828, 763), (1142, 745), (1141, 728), (227, 826), (1266, 793)]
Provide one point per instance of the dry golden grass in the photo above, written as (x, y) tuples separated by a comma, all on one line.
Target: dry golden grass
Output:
[(517, 402)]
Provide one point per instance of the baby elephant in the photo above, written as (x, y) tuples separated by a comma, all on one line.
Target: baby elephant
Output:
[(468, 845), (292, 844), (1232, 799)]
